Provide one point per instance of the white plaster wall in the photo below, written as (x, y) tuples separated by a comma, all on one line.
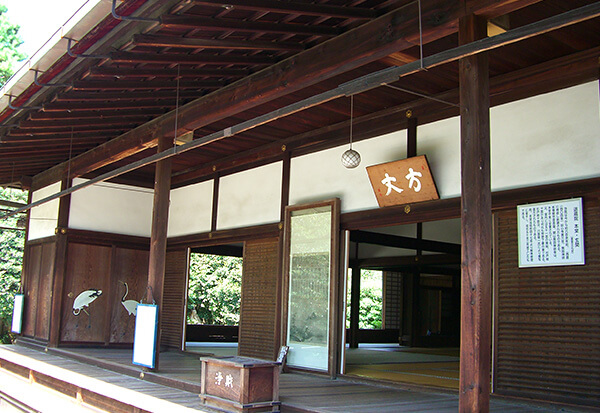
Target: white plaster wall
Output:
[(549, 138), (113, 208), (190, 211), (43, 219), (320, 175), (251, 197)]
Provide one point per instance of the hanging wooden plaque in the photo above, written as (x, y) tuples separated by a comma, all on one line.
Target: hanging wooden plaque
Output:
[(402, 182)]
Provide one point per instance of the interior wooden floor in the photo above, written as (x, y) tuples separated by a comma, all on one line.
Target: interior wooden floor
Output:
[(110, 374), (436, 367)]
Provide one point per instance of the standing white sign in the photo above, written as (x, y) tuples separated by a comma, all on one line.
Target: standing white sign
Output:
[(17, 319), (551, 233), (144, 339)]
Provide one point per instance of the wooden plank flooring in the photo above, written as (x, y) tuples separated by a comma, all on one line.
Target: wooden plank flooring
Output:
[(298, 392)]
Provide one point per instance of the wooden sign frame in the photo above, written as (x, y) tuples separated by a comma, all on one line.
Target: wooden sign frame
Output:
[(403, 182)]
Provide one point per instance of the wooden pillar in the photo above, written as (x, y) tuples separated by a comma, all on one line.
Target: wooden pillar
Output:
[(354, 307), (158, 237), (60, 267), (475, 343)]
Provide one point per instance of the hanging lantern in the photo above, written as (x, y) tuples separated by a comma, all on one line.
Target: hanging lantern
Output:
[(351, 158)]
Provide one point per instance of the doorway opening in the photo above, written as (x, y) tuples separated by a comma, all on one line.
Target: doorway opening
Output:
[(213, 299), (417, 267)]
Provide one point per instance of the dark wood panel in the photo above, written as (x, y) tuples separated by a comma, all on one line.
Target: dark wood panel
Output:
[(32, 289), (174, 298), (548, 322), (131, 267), (258, 335), (43, 301), (88, 267)]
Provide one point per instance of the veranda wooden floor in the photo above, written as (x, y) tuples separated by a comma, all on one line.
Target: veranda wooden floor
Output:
[(299, 393)]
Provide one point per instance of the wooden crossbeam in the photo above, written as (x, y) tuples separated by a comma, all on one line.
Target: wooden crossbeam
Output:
[(397, 241), (85, 106), (96, 114), (150, 84), (294, 7), (33, 124), (81, 128), (194, 43), (324, 61), (167, 72), (190, 59), (194, 22), (75, 96)]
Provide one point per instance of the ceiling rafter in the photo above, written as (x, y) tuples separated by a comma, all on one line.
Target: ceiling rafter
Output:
[(326, 60), (197, 43), (118, 72), (295, 7), (190, 59), (193, 22), (145, 85), (96, 114)]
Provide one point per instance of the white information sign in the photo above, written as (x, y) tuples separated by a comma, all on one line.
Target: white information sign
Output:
[(144, 339), (17, 319), (551, 233)]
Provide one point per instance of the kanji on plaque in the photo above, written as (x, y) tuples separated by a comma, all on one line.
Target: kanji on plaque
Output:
[(402, 182)]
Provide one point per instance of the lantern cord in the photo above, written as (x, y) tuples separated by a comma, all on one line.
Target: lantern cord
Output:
[(351, 117)]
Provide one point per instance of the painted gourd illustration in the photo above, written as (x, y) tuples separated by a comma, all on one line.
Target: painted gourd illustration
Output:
[(84, 299), (130, 305)]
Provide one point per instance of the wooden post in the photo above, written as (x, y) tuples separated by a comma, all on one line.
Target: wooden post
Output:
[(158, 237), (60, 267), (354, 307), (475, 340)]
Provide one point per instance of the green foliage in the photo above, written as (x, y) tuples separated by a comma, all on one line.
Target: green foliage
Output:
[(11, 261), (214, 292), (9, 43), (371, 301)]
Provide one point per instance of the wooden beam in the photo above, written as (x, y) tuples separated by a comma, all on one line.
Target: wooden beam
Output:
[(397, 241), (294, 7), (408, 262), (86, 114), (326, 60), (476, 219), (197, 43), (77, 96), (190, 59), (120, 148), (60, 267), (123, 104), (195, 22), (41, 124), (144, 85), (168, 72), (80, 129), (158, 237)]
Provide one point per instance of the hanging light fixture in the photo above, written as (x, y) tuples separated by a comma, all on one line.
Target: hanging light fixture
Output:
[(351, 158)]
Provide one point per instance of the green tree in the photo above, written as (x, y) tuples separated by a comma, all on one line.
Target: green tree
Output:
[(9, 44), (371, 300), (214, 291), (11, 261)]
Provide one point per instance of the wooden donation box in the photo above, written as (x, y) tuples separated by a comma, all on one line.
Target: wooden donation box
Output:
[(240, 384)]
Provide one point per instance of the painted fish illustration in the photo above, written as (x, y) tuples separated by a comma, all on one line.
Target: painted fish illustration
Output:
[(130, 305), (84, 299)]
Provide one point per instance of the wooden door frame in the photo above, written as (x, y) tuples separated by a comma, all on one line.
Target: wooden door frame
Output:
[(334, 277)]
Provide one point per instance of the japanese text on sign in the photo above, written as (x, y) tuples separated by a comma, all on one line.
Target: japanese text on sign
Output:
[(551, 233), (220, 379)]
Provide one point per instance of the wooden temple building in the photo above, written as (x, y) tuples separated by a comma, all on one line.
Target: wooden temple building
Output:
[(146, 130)]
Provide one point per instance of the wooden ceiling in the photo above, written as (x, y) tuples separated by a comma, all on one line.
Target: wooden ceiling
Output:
[(204, 66)]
